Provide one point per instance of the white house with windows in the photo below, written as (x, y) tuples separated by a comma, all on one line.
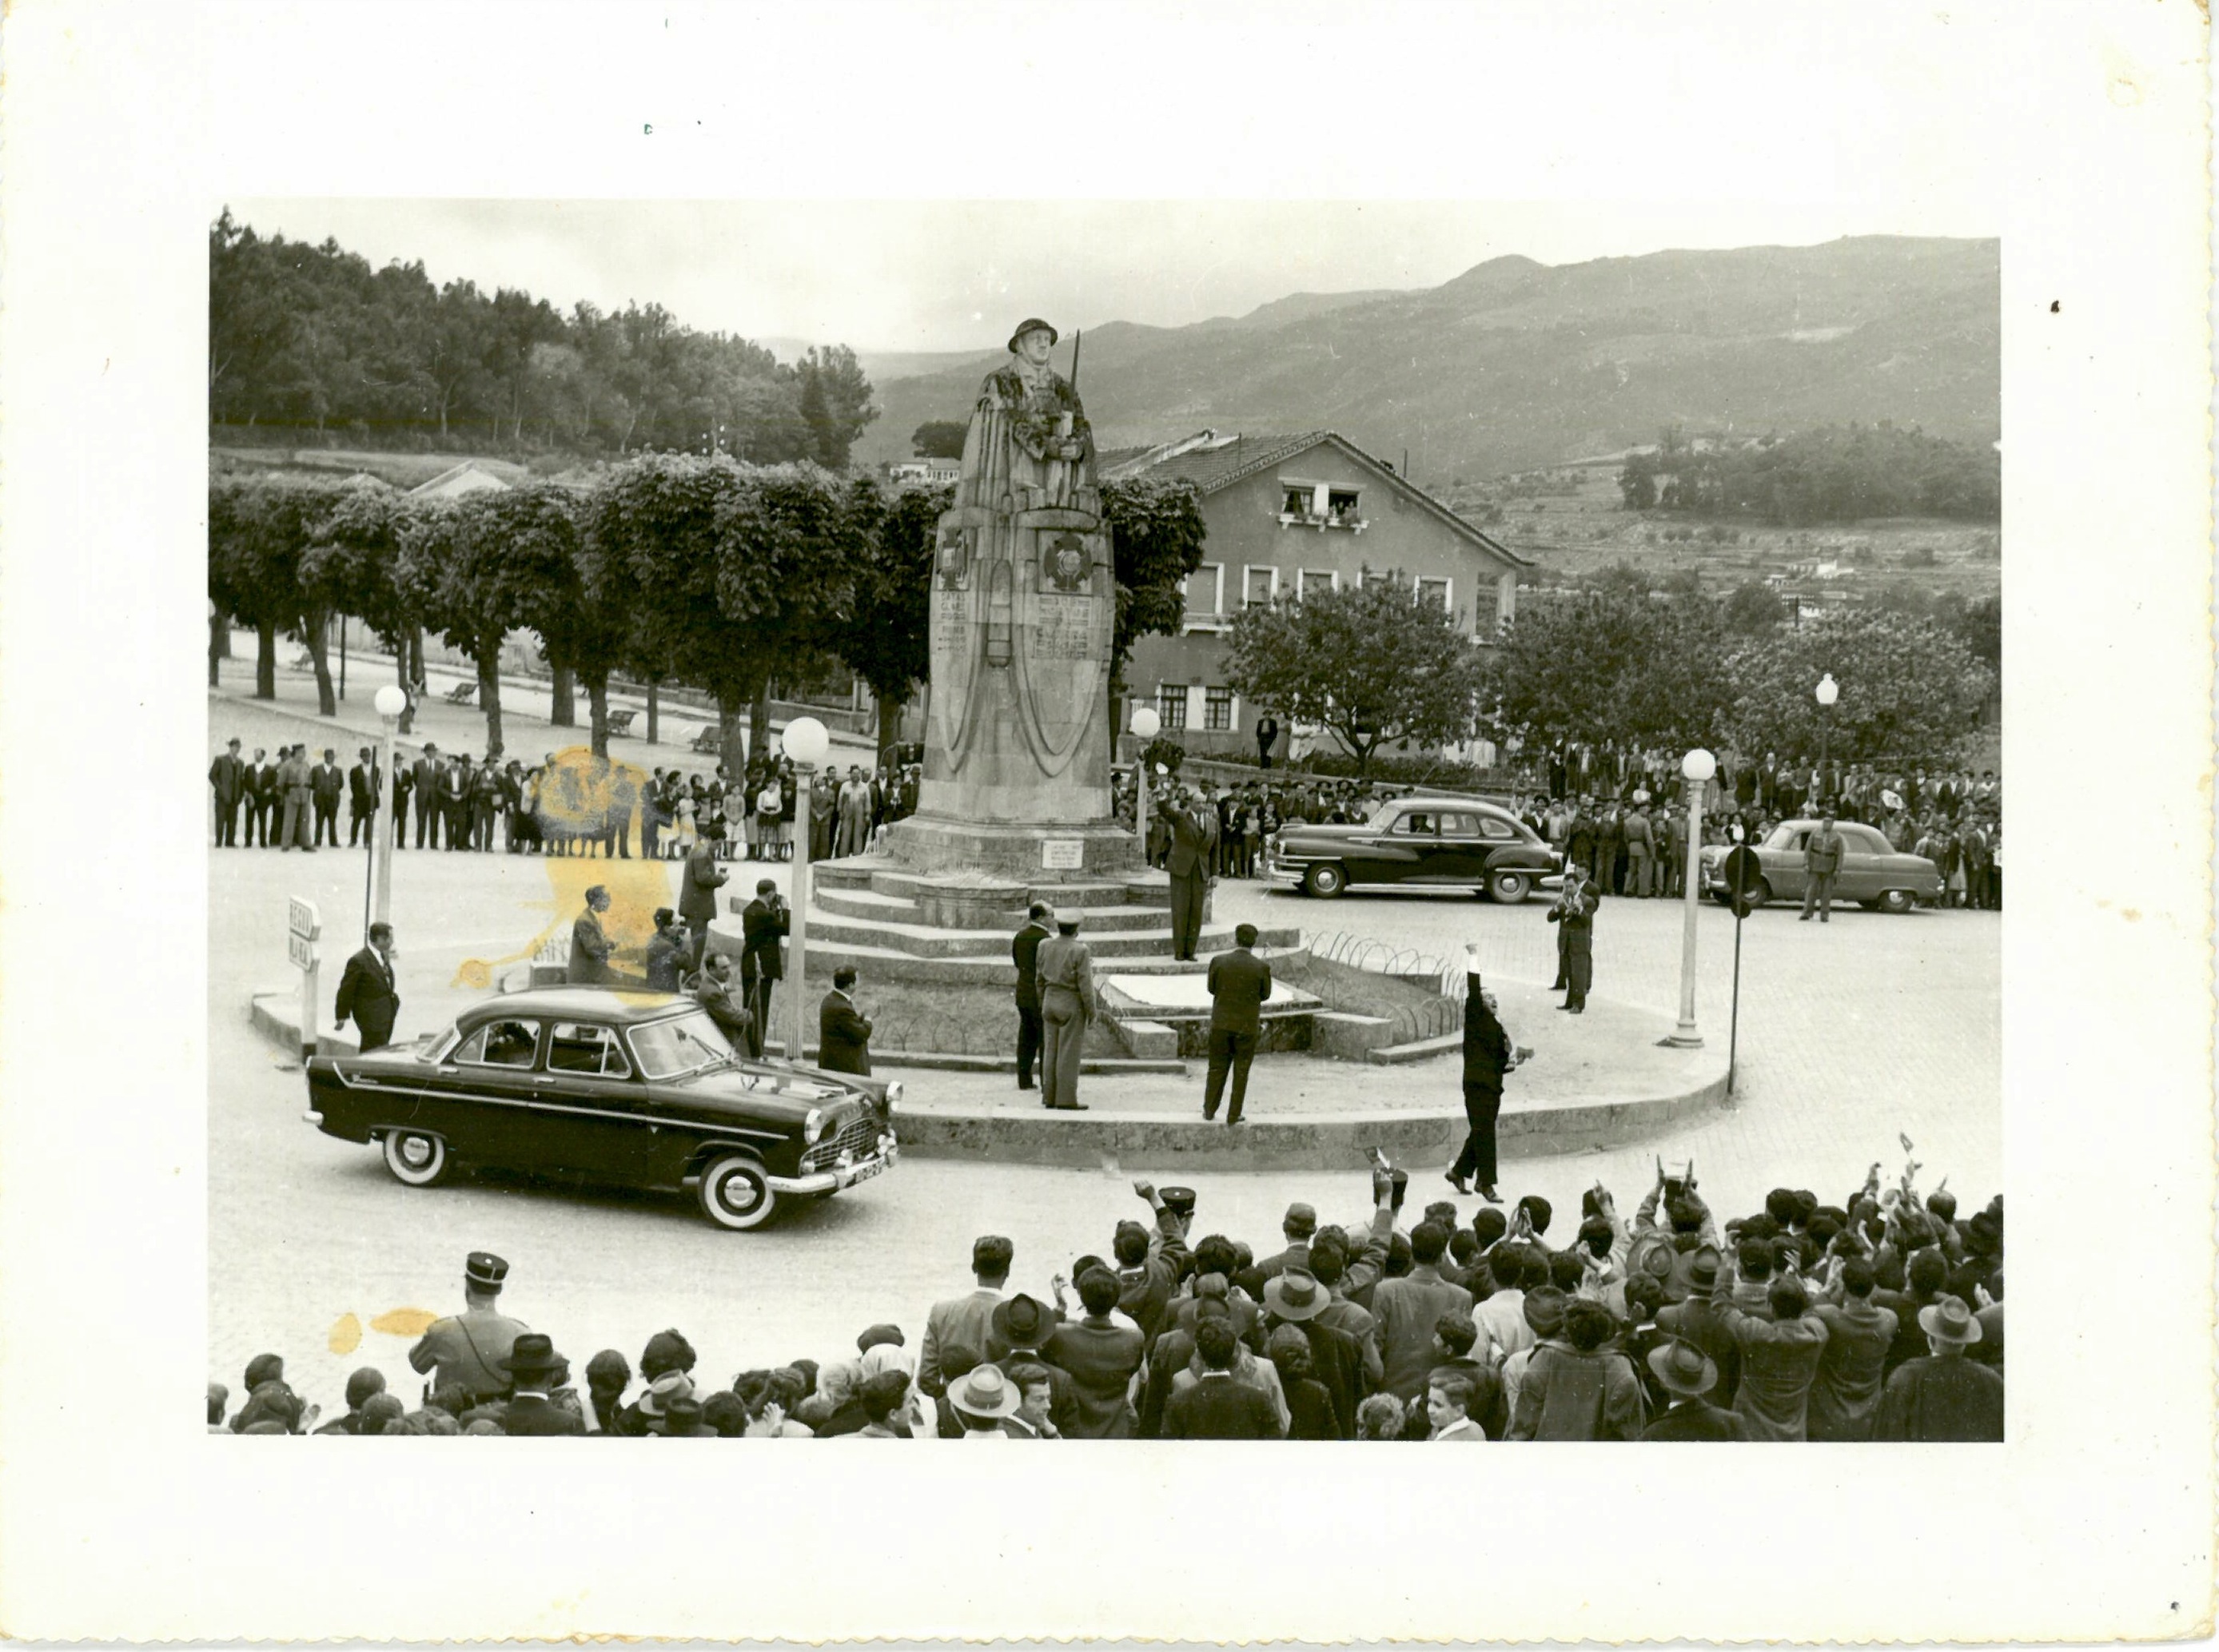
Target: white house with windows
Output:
[(1291, 514)]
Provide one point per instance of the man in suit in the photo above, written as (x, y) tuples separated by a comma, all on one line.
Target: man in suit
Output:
[(1689, 1375), (326, 786), (1024, 952), (762, 956), (484, 805), (1067, 1004), (1216, 1408), (1698, 1321), (697, 893), (1149, 1264), (1267, 735), (1574, 912), (367, 995), (1239, 983), (424, 782), (1299, 1224), (255, 782), (362, 786), (1488, 1059), (227, 779), (1296, 1297), (1102, 1357), (533, 1365), (843, 1037), (299, 800), (590, 946), (1822, 859), (714, 994), (1408, 1309), (455, 802), (1188, 863), (956, 1331)]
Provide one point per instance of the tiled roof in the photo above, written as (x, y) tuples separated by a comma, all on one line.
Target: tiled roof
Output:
[(1213, 466)]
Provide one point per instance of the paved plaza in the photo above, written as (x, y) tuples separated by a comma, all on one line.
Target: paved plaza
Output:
[(1851, 1031)]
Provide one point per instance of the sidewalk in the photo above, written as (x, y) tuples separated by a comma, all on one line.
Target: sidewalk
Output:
[(526, 710)]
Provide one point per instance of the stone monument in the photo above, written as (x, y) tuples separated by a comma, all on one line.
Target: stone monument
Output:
[(1024, 602)]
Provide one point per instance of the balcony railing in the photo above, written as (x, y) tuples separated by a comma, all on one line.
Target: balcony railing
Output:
[(1345, 519)]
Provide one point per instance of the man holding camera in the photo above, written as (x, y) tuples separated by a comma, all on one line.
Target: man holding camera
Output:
[(1574, 912)]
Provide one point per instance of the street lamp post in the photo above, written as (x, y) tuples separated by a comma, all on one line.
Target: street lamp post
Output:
[(1828, 691), (804, 742), (392, 700), (1145, 726), (1696, 768)]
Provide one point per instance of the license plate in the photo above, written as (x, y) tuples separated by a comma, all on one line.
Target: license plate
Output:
[(864, 1172)]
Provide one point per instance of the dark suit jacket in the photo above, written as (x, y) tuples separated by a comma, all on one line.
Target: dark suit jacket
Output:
[(534, 1415), (1024, 950), (1101, 1358), (362, 790), (1239, 983), (325, 784), (1337, 1361), (698, 886), (760, 953), (229, 776), (1486, 1046), (1189, 850), (425, 771), (367, 995), (1700, 1420), (843, 1037), (1219, 1408)]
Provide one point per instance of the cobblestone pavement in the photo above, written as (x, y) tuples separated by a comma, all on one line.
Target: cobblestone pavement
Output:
[(1851, 1031)]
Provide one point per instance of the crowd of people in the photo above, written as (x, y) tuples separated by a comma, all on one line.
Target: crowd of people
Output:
[(1879, 1318)]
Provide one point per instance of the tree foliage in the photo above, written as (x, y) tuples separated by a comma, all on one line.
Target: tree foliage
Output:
[(882, 635), (1157, 532), (1609, 664), (939, 438), (1372, 664), (472, 574), (1910, 689), (1834, 474)]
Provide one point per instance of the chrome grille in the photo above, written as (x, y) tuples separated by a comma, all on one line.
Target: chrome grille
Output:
[(858, 1139)]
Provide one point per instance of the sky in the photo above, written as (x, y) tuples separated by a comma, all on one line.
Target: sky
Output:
[(896, 275)]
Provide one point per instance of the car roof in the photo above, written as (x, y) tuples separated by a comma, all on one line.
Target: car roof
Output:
[(1449, 800), (603, 1003)]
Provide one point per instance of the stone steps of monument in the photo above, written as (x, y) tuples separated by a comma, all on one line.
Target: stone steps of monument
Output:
[(998, 973), (922, 941), (877, 875), (870, 907)]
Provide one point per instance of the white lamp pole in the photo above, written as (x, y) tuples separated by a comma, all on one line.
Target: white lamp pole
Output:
[(1145, 726), (1828, 692), (392, 701), (805, 742), (1696, 768)]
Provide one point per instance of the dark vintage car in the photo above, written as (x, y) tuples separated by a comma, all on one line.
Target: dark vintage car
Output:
[(638, 1089), (1423, 841), (1873, 872)]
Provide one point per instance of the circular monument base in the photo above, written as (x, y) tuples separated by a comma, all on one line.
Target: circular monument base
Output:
[(1027, 853)]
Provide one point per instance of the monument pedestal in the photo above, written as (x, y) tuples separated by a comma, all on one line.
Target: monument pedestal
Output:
[(1023, 853)]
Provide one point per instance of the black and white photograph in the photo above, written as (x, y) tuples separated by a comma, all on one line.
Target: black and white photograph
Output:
[(948, 792)]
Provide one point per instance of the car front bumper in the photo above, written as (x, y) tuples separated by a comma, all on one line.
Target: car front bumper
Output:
[(841, 1175)]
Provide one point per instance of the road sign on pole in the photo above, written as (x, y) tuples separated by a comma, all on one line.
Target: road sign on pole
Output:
[(1742, 872), (303, 923)]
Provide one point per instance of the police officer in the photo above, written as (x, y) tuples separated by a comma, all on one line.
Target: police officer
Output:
[(1067, 1004), (469, 1348), (1574, 913)]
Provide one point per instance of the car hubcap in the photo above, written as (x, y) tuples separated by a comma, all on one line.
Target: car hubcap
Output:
[(737, 1195), (416, 1152)]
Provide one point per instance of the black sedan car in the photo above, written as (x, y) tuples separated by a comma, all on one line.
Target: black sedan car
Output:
[(1422, 841), (633, 1089)]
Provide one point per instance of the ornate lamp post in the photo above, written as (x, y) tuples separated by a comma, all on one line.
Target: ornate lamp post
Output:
[(1696, 768), (805, 742), (1828, 691), (392, 700), (1145, 726)]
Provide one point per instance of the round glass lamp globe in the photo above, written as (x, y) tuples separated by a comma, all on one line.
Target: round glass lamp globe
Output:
[(1829, 690), (1145, 723), (392, 700), (805, 742), (1698, 765)]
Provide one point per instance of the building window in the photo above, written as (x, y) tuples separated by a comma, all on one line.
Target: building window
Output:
[(1205, 591), (1296, 502), (1340, 507), (1316, 578), (1217, 710), (1437, 592), (1171, 706), (1262, 585)]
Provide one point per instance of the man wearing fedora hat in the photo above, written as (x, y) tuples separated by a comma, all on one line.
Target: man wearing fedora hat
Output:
[(1944, 1397), (468, 1348), (1298, 1298), (981, 1398), (1688, 1375), (534, 1366), (1017, 1329), (1698, 1321)]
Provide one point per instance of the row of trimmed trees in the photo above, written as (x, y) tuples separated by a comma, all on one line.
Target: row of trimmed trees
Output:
[(669, 568)]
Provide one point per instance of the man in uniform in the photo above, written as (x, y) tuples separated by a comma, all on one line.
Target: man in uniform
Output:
[(293, 782), (1067, 1004), (1822, 859), (324, 787), (1575, 913), (1189, 866), (762, 956), (227, 776), (1024, 950), (1239, 983), (362, 800), (470, 1348)]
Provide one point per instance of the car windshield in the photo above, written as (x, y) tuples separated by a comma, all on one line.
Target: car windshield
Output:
[(1382, 815), (1784, 837), (682, 1045)]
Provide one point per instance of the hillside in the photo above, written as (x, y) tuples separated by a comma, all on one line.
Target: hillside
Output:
[(1515, 364)]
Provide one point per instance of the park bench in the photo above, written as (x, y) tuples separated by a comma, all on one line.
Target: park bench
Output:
[(620, 722), (462, 693), (708, 738)]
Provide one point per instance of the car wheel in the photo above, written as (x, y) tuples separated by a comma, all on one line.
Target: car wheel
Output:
[(417, 1159), (1895, 900), (1761, 895), (1324, 880), (736, 1193), (1508, 888)]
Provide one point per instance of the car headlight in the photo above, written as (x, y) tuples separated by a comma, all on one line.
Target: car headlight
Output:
[(812, 1127), (893, 1094)]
